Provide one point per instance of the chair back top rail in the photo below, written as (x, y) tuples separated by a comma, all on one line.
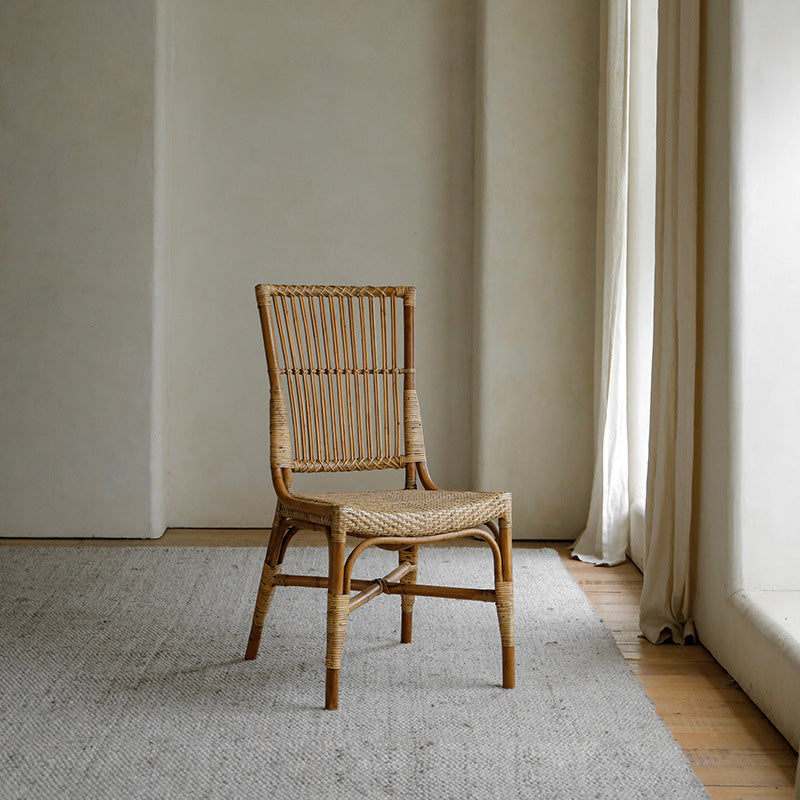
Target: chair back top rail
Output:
[(264, 290)]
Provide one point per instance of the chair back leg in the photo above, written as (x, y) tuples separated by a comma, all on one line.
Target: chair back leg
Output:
[(408, 556)]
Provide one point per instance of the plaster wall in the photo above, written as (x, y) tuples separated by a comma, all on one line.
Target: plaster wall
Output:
[(76, 265), (159, 159), (311, 142), (768, 192), (739, 517), (535, 259)]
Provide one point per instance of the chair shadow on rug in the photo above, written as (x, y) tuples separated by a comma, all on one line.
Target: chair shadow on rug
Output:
[(341, 401)]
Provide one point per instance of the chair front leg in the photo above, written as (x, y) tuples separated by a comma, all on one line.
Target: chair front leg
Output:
[(338, 608), (504, 589), (408, 556), (266, 588)]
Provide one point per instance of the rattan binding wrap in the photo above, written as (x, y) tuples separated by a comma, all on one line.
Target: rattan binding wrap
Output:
[(338, 609), (505, 611), (280, 447), (266, 590), (410, 557)]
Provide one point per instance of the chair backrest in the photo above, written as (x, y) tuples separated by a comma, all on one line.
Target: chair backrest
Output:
[(341, 370)]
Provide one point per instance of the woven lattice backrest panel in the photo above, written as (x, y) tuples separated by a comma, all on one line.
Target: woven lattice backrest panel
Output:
[(339, 387)]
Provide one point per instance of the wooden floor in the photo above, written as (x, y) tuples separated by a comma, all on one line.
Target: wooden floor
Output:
[(732, 747)]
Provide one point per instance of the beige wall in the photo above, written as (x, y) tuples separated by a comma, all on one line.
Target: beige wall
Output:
[(76, 263), (768, 278), (537, 167), (312, 142), (162, 158), (745, 529)]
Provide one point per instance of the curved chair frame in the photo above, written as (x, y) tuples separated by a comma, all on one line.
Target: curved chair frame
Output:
[(327, 370)]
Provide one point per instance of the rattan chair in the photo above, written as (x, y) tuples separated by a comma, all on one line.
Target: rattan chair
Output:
[(340, 400)]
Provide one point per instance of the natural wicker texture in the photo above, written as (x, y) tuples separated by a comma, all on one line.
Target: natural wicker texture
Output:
[(337, 358), (279, 445), (410, 556), (350, 464), (338, 609), (264, 290), (415, 446), (340, 361), (398, 512), (266, 589), (505, 611)]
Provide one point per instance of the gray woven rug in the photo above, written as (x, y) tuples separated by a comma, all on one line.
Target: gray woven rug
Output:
[(121, 676)]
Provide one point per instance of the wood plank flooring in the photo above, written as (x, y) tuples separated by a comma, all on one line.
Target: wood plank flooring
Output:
[(732, 747)]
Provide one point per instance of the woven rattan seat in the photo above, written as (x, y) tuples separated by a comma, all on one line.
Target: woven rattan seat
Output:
[(343, 398), (396, 513)]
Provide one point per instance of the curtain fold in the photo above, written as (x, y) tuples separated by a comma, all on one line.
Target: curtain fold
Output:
[(665, 610), (605, 538), (641, 257)]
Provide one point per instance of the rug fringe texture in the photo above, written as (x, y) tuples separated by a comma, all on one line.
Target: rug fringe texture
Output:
[(122, 676)]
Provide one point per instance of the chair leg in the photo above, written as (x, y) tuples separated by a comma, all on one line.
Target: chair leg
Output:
[(408, 556), (266, 588), (338, 608), (505, 605)]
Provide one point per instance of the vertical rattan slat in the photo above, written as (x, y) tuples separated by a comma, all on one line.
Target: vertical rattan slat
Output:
[(395, 384), (334, 374), (304, 446), (365, 377), (385, 376), (292, 324), (308, 378), (292, 385), (320, 369), (348, 424), (376, 453), (356, 388)]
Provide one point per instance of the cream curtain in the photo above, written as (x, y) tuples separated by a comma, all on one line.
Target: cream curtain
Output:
[(665, 611), (624, 265), (641, 256), (605, 539)]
